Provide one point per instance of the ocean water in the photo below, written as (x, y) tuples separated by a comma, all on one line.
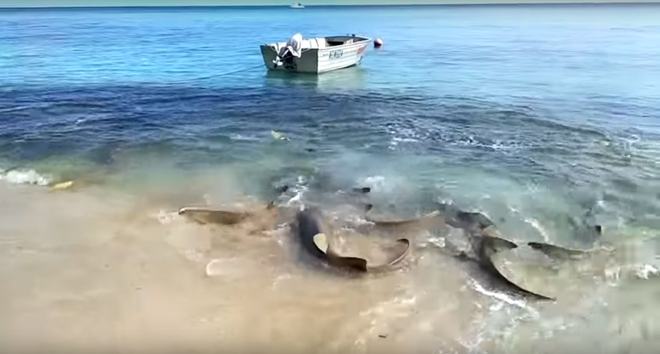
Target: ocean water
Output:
[(544, 117)]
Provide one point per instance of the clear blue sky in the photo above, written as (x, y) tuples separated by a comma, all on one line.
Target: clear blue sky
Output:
[(48, 3)]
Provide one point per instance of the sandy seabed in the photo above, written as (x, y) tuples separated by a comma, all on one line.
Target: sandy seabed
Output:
[(98, 270)]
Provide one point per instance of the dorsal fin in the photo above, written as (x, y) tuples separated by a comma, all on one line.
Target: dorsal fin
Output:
[(497, 243)]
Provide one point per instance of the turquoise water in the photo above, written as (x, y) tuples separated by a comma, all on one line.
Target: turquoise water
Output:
[(543, 117), (462, 103), (483, 105)]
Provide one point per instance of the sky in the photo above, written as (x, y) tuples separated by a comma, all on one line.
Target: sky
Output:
[(51, 3)]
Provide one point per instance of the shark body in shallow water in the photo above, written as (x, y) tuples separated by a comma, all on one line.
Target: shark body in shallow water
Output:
[(314, 236)]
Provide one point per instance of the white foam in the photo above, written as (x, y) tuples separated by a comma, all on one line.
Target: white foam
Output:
[(166, 217), (376, 183), (299, 189), (25, 177), (644, 271), (502, 297), (438, 241), (296, 199), (403, 135), (537, 225), (240, 137), (404, 140), (612, 275)]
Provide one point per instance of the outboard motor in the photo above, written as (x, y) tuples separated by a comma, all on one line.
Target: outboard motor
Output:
[(291, 50)]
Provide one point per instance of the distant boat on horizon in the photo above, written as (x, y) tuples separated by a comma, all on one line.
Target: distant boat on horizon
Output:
[(297, 5)]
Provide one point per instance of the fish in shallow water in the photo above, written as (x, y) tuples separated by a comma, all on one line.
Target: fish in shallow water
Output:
[(486, 247), (313, 237), (557, 251), (309, 230), (479, 230), (213, 216), (256, 221)]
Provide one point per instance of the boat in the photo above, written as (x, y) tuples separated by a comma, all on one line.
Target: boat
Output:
[(315, 55), (297, 6)]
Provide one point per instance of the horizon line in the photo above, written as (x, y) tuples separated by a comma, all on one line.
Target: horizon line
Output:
[(440, 3)]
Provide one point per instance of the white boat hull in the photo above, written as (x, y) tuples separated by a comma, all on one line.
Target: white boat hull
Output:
[(318, 60)]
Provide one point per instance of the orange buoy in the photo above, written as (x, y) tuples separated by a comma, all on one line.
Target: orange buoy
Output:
[(378, 43)]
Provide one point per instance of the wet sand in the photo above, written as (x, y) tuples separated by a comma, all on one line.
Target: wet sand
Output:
[(99, 270)]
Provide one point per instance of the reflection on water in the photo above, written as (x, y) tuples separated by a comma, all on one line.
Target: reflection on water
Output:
[(352, 78)]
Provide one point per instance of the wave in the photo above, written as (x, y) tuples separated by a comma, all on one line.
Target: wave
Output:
[(522, 137), (22, 176), (242, 137)]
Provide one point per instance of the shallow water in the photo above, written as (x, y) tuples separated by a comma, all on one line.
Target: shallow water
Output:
[(542, 117)]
